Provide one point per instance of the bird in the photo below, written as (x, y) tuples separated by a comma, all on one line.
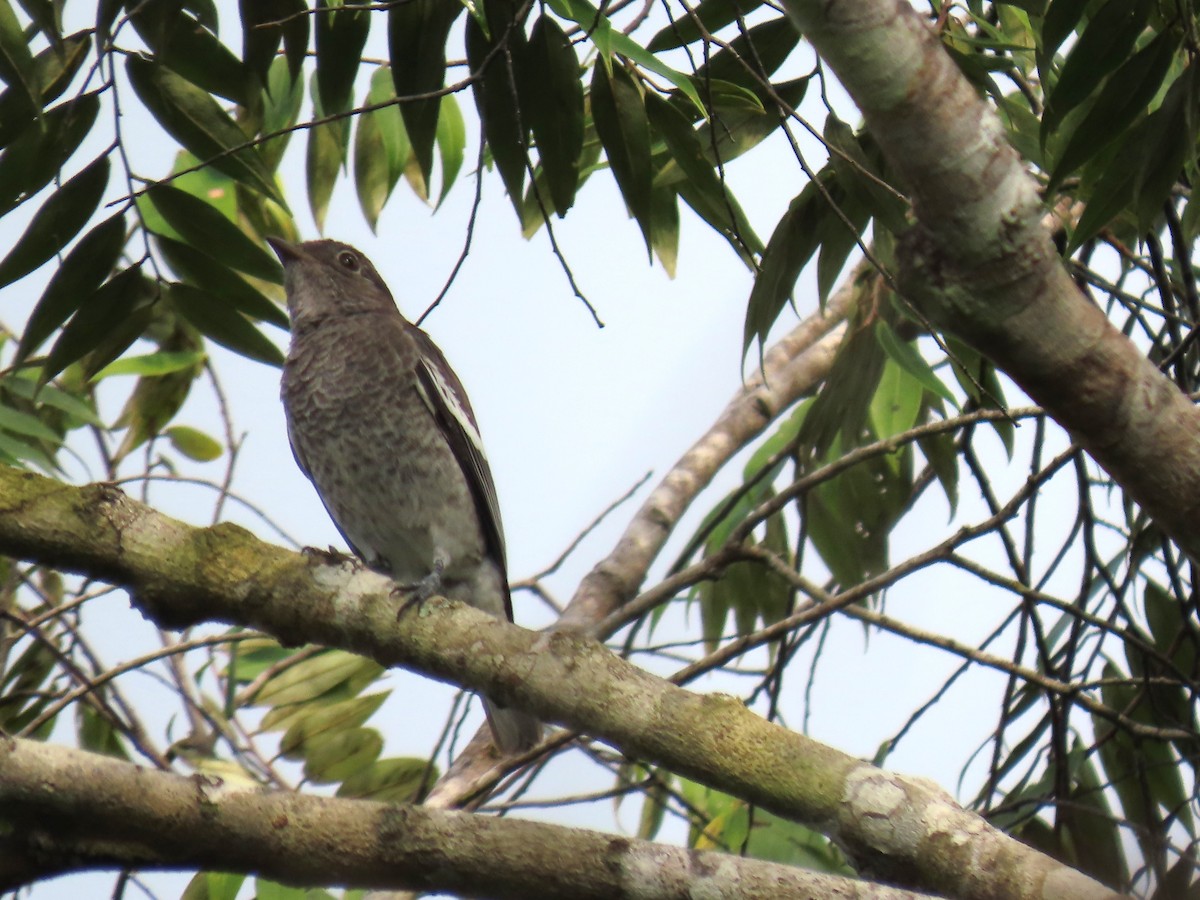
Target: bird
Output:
[(382, 427)]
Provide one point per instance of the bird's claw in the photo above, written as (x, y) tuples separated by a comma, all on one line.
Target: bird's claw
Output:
[(417, 592)]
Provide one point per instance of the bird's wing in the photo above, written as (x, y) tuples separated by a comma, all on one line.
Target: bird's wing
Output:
[(445, 397), (372, 560)]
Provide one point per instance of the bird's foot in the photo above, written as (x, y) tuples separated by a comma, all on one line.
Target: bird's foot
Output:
[(417, 592)]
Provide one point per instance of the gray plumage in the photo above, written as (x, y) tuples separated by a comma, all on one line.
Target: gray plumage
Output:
[(381, 425)]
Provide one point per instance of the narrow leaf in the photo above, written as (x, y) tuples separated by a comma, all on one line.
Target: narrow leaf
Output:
[(327, 145), (791, 246), (341, 34), (205, 227), (17, 68), (35, 157), (609, 40), (708, 16), (152, 365), (182, 44), (498, 101), (417, 34), (1124, 96), (194, 119), (624, 129), (1105, 44), (554, 106), (114, 301), (381, 147), (220, 321), (61, 217), (208, 272), (264, 24), (85, 267), (55, 69), (452, 143), (905, 355)]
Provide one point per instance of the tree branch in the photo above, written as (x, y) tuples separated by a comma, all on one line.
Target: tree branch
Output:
[(84, 811), (903, 830), (981, 264)]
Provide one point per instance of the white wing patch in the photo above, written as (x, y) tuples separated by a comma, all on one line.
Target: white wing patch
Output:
[(449, 403)]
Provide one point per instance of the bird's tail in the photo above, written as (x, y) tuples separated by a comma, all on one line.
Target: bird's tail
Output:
[(513, 730)]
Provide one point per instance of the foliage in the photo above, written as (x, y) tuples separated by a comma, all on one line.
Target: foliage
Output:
[(1093, 753)]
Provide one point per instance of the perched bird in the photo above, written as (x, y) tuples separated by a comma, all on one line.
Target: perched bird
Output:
[(381, 425)]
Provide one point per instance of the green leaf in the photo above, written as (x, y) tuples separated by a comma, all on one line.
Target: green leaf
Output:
[(55, 69), (85, 267), (220, 321), (17, 422), (693, 177), (1061, 18), (323, 719), (1104, 44), (609, 40), (14, 449), (314, 677), (1168, 146), (206, 228), (389, 781), (554, 108), (664, 228), (381, 148), (417, 34), (624, 129), (209, 229), (737, 127), (61, 217), (264, 24), (327, 145), (1124, 96), (47, 395), (707, 16), (452, 143), (47, 16), (35, 157), (906, 355), (193, 118), (179, 42), (1147, 163), (214, 885), (794, 241), (341, 35), (942, 455), (17, 68), (194, 444), (281, 108), (92, 323), (897, 401), (204, 271), (763, 48), (859, 165), (164, 362), (336, 757), (496, 90), (849, 516)]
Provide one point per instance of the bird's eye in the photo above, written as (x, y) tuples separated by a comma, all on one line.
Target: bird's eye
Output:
[(349, 260)]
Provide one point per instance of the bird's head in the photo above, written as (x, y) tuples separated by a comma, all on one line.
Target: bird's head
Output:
[(325, 279)]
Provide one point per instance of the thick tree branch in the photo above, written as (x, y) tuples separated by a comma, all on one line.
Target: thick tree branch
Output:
[(903, 830), (980, 263), (81, 810)]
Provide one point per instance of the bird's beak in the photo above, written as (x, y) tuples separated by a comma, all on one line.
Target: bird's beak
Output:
[(285, 250)]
